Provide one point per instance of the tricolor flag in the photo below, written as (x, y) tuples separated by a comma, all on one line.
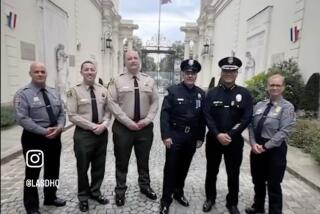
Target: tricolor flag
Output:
[(12, 20), (165, 1), (294, 34)]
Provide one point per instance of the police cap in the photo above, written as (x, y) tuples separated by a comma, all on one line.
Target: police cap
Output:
[(230, 63), (190, 65)]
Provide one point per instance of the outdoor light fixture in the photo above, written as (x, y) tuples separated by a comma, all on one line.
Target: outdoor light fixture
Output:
[(106, 41), (206, 48)]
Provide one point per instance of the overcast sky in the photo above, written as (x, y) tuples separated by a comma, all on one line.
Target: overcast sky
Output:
[(173, 16)]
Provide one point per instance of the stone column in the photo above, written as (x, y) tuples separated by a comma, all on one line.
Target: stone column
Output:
[(186, 49)]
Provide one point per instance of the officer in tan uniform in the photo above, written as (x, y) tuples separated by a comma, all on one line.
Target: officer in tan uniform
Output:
[(133, 99), (87, 109)]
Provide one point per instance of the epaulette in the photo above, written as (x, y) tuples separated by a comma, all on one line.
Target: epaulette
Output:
[(144, 74)]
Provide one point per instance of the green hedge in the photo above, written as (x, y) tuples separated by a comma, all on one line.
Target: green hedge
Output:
[(7, 116), (306, 135)]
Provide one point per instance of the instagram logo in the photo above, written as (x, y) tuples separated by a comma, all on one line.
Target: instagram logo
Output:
[(34, 158)]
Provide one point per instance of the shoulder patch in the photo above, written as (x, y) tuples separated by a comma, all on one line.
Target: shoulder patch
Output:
[(69, 93), (111, 82)]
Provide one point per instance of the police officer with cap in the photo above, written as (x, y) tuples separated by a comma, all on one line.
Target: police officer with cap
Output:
[(228, 111), (182, 131)]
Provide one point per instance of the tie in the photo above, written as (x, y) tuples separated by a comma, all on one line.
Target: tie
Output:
[(52, 118), (261, 121), (136, 100), (94, 106)]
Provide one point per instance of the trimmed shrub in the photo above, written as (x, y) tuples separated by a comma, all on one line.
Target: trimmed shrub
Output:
[(257, 87), (310, 99), (7, 116), (306, 135)]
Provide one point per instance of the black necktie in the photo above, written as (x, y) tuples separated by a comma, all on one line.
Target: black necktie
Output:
[(136, 100), (52, 118), (94, 106), (261, 121)]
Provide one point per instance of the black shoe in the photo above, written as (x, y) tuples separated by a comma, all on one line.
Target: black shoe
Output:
[(233, 210), (100, 199), (33, 212), (182, 200), (58, 202), (253, 210), (120, 200), (149, 193), (207, 205), (83, 206), (164, 209)]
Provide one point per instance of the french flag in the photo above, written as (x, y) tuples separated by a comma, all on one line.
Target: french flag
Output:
[(12, 20), (294, 34)]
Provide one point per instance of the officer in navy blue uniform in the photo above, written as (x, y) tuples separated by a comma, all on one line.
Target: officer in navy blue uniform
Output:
[(227, 110), (182, 131)]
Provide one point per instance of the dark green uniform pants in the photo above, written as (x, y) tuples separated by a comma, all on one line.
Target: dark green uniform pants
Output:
[(124, 139), (90, 148)]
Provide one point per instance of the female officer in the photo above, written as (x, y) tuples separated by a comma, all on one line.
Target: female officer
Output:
[(272, 121)]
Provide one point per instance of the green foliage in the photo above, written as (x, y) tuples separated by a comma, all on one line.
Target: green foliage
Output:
[(310, 99), (7, 116), (306, 135), (257, 87), (294, 83)]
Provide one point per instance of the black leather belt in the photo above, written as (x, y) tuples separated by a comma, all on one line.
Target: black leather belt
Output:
[(185, 129)]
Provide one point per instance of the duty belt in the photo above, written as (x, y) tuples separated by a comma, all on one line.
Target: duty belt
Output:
[(185, 129)]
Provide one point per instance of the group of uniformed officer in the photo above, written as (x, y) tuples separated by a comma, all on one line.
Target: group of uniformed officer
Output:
[(133, 99)]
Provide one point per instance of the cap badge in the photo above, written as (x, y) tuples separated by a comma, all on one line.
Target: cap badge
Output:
[(230, 60), (190, 62)]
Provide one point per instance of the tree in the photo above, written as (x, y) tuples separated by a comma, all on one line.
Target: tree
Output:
[(294, 84)]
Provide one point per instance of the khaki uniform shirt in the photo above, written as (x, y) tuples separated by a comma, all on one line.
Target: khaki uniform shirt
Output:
[(278, 124), (121, 98), (80, 108)]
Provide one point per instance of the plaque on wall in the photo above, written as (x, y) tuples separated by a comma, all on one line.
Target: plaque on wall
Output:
[(72, 60), (28, 51)]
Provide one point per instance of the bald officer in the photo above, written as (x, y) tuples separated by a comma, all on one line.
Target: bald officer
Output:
[(228, 110), (87, 109), (133, 100), (182, 130), (39, 110), (273, 119)]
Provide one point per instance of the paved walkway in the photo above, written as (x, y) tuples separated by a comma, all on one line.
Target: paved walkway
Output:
[(298, 196)]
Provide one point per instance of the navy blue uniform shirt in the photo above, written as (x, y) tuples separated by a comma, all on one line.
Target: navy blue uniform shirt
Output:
[(183, 106), (228, 110)]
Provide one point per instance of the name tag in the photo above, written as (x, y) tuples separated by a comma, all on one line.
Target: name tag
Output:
[(198, 104), (180, 99)]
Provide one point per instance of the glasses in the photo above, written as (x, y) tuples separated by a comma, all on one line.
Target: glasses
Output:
[(275, 86)]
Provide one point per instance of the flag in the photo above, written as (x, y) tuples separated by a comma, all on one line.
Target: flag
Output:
[(294, 34), (12, 20), (165, 1)]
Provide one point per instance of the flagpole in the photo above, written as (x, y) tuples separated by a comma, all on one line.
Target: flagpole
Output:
[(159, 18)]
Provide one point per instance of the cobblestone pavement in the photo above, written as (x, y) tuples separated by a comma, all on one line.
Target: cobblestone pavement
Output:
[(298, 197)]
